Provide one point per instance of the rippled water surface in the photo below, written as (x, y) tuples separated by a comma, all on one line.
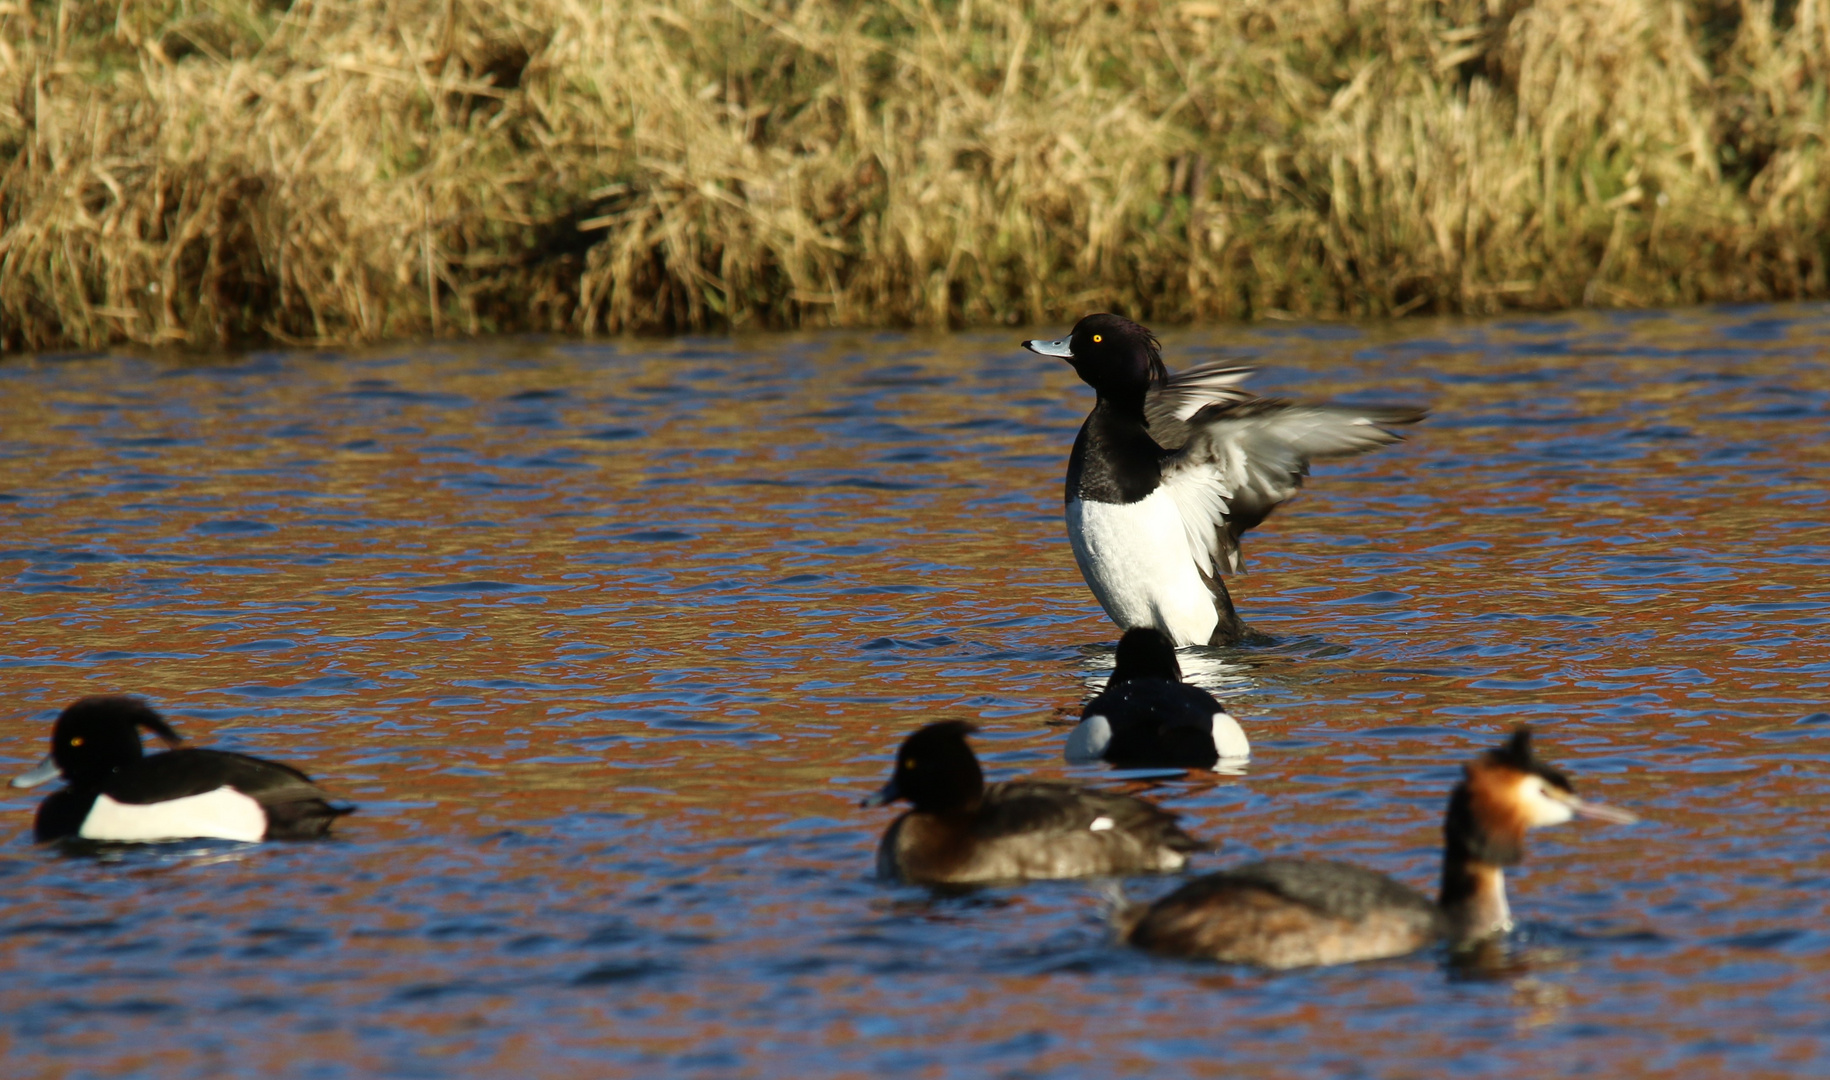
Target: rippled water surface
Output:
[(608, 640)]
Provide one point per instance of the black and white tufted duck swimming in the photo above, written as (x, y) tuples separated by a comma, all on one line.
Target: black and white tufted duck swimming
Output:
[(1148, 718), (1285, 913), (114, 793), (1169, 471), (963, 831)]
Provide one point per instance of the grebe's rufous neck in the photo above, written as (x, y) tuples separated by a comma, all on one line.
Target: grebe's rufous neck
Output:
[(1503, 793), (1285, 913)]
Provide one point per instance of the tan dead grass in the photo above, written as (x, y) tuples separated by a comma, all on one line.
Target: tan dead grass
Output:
[(231, 171)]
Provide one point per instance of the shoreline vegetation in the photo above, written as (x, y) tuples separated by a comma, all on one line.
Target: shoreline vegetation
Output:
[(238, 172)]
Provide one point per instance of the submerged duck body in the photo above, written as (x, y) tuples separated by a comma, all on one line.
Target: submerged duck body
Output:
[(962, 831), (114, 793), (1285, 913), (1148, 718), (1169, 471)]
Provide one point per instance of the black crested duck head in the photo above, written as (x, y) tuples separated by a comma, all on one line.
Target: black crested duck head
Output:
[(1115, 356), (1144, 652), (96, 736), (936, 771)]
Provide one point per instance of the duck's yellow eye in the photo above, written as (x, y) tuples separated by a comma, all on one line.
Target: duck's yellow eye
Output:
[(908, 763), (78, 741), (1097, 339)]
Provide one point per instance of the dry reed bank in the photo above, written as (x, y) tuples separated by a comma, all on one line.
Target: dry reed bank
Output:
[(232, 171)]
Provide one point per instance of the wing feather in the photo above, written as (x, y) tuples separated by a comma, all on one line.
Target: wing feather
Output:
[(1169, 404), (1039, 806), (1243, 459)]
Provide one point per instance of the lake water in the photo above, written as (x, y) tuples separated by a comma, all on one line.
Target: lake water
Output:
[(608, 639)]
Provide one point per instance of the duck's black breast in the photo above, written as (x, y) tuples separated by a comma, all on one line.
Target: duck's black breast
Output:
[(61, 814), (1158, 724), (1114, 459)]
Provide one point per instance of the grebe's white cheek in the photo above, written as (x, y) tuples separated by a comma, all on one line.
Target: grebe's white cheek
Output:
[(1089, 740), (1100, 824), (1542, 807)]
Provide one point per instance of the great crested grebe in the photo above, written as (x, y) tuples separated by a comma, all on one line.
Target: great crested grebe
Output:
[(1284, 913), (1147, 717), (963, 831), (116, 794), (1169, 471)]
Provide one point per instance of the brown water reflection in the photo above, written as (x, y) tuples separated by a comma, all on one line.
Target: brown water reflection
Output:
[(608, 639)]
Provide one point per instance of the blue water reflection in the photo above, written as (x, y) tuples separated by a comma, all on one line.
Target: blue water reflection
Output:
[(609, 638)]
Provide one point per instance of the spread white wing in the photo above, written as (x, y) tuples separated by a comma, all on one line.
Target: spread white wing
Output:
[(1242, 459)]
